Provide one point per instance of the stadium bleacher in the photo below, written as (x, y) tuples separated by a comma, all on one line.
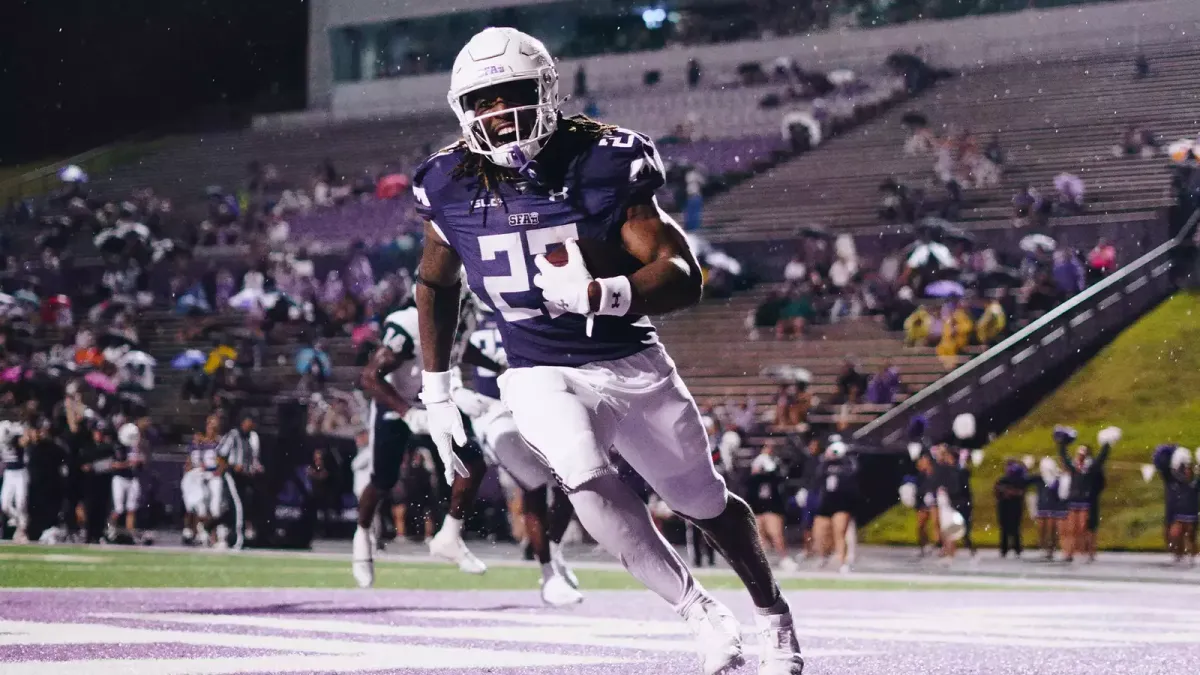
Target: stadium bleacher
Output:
[(1050, 117)]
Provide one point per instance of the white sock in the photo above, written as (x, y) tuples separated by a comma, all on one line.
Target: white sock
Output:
[(619, 521), (452, 527), (693, 601), (547, 571), (556, 552)]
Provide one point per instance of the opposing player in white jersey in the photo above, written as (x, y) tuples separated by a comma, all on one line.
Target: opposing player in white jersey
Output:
[(14, 494), (586, 369), (497, 431), (126, 479), (392, 378), (203, 486)]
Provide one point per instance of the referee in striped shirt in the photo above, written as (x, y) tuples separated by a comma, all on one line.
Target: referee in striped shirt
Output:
[(241, 449)]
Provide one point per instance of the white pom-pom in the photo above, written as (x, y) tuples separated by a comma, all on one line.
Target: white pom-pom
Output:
[(1048, 468), (976, 457), (914, 450), (1147, 472), (1064, 486), (1198, 455), (908, 495), (964, 426), (802, 496), (1027, 460), (1109, 436), (1181, 457)]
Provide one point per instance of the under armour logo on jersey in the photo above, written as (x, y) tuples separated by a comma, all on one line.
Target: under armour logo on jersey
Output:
[(559, 195)]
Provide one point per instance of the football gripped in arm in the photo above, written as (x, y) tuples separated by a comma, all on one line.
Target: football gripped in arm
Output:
[(670, 278)]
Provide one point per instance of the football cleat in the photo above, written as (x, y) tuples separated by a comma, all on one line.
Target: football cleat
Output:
[(450, 547), (363, 562), (557, 591), (779, 651), (719, 636)]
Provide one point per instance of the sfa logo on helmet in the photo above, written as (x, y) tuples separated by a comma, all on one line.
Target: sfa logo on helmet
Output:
[(491, 70)]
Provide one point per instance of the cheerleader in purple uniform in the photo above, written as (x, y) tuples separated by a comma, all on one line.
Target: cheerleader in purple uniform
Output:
[(1182, 485), (1084, 470), (1051, 510)]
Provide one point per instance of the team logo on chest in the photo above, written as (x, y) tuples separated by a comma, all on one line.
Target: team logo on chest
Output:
[(558, 195), (489, 202), (523, 218)]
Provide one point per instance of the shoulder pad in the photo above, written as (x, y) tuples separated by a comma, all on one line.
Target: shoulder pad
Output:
[(433, 174), (637, 158), (400, 332)]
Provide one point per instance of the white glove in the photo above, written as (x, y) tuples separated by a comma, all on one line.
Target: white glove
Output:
[(445, 422), (565, 288)]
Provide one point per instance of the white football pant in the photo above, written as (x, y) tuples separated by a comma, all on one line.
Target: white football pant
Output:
[(14, 496), (194, 490), (637, 405), (126, 494)]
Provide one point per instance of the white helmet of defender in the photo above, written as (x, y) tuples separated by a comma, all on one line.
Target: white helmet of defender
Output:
[(499, 56)]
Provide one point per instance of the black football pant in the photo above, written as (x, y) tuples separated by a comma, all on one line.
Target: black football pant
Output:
[(1009, 514)]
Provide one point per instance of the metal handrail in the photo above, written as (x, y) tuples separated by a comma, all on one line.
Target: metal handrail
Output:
[(1048, 322)]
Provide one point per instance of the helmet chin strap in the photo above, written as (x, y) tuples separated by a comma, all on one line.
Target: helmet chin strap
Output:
[(528, 168)]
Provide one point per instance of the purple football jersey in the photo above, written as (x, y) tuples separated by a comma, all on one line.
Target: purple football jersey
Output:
[(497, 233)]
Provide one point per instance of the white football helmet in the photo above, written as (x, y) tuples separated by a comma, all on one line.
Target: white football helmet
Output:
[(129, 435), (498, 56)]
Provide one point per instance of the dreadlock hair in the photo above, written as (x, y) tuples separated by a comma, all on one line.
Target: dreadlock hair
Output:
[(574, 135)]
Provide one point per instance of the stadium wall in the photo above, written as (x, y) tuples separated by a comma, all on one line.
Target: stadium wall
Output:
[(956, 43)]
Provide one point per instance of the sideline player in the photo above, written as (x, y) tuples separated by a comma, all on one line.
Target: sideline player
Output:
[(193, 488), (586, 369), (14, 494), (493, 424), (126, 481), (392, 378)]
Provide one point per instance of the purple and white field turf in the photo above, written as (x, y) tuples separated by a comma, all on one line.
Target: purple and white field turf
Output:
[(1123, 630)]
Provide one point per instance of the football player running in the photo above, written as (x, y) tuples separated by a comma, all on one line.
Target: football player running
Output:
[(494, 425), (392, 378), (586, 369)]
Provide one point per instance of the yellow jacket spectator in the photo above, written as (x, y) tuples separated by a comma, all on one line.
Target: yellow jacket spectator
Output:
[(917, 327), (961, 325), (956, 335), (991, 323)]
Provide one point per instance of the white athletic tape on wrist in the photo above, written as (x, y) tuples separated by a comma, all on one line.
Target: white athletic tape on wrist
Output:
[(435, 387), (616, 296)]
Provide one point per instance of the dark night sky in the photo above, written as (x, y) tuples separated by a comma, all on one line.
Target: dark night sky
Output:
[(75, 74)]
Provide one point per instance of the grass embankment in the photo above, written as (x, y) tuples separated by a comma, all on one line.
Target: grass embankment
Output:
[(1148, 383)]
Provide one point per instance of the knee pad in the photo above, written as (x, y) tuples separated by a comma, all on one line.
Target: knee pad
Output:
[(699, 495)]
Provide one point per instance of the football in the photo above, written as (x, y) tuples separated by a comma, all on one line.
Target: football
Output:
[(603, 259)]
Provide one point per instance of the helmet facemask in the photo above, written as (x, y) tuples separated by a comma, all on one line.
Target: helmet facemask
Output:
[(511, 136)]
